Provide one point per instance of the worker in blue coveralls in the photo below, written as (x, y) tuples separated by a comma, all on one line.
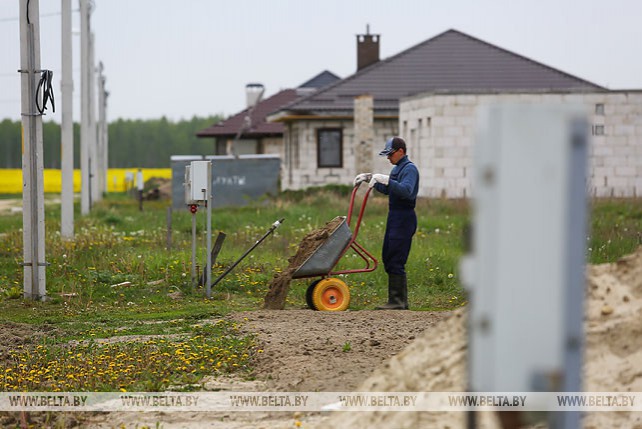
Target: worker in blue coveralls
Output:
[(401, 186)]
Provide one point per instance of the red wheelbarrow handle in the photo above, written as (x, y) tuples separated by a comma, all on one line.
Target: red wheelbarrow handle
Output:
[(359, 250), (361, 211)]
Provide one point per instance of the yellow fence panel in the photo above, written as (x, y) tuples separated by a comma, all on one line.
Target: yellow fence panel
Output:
[(11, 179)]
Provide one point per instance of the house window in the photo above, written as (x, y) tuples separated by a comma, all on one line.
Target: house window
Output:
[(598, 130), (329, 147), (599, 109), (221, 147)]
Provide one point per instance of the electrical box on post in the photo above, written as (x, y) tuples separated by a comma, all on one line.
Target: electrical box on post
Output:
[(525, 272), (197, 182), (199, 171)]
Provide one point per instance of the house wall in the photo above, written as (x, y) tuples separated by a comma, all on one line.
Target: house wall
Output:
[(273, 146), (300, 169), (439, 130)]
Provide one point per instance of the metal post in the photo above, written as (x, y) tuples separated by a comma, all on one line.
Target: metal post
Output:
[(169, 228), (141, 186), (66, 129), (33, 217), (85, 201), (193, 248)]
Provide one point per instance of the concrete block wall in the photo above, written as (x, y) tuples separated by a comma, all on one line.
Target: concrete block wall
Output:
[(273, 146), (616, 156), (440, 131)]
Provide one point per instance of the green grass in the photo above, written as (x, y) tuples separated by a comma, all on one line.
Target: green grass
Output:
[(117, 243), (616, 229)]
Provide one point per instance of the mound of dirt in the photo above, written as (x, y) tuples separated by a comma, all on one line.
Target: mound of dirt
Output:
[(158, 188), (280, 284), (613, 326), (15, 335)]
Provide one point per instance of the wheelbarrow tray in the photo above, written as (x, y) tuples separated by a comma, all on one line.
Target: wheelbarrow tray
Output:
[(325, 257)]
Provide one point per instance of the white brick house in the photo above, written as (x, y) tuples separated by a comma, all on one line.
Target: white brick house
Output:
[(429, 94), (440, 130)]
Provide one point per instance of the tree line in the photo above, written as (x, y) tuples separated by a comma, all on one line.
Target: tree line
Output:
[(132, 142)]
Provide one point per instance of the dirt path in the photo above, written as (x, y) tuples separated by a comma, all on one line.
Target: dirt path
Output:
[(329, 351), (303, 350)]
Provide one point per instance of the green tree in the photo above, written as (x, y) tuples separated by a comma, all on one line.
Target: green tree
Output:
[(132, 142)]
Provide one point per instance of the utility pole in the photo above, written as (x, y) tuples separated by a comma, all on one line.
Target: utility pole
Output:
[(67, 128), (94, 165), (33, 212), (102, 130), (85, 198)]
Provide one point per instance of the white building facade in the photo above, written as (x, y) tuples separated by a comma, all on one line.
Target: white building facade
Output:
[(440, 132)]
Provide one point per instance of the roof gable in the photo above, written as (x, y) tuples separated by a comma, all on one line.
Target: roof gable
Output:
[(449, 62), (324, 78)]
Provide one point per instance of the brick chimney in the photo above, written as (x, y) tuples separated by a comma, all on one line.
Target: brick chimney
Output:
[(367, 49)]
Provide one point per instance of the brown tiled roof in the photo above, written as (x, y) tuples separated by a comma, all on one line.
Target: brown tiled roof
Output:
[(449, 62), (257, 127)]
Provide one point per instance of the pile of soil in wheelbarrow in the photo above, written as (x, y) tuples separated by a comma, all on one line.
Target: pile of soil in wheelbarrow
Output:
[(280, 284)]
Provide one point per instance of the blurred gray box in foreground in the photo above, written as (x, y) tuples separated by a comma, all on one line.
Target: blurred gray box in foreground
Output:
[(526, 273)]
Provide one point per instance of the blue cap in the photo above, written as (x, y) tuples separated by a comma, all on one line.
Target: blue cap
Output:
[(392, 145)]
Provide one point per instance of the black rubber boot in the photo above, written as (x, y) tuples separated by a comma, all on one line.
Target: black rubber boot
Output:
[(397, 295)]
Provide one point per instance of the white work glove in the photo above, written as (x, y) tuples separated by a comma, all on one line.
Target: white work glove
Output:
[(363, 177), (379, 178)]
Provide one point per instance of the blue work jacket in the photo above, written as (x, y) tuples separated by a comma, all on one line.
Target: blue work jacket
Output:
[(403, 185)]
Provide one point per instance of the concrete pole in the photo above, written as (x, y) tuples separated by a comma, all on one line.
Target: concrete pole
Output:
[(208, 258), (33, 213), (105, 133), (94, 163), (102, 131), (67, 128), (85, 201), (99, 129)]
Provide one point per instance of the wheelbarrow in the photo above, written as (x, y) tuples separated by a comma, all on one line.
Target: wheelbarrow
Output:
[(330, 293)]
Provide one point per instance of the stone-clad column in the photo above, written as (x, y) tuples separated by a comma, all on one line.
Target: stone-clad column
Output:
[(363, 133)]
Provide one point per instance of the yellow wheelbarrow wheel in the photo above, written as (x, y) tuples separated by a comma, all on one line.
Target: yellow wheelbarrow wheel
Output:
[(330, 295)]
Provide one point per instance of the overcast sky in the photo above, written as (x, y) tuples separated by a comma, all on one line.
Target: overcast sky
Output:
[(193, 57)]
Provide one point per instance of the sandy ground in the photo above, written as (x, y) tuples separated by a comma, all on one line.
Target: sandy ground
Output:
[(408, 351), (10, 205)]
